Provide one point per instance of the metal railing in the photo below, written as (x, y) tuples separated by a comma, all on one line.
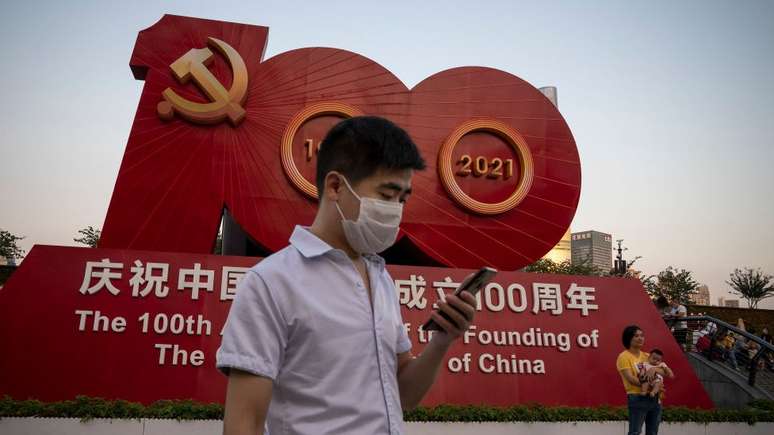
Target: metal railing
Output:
[(759, 366)]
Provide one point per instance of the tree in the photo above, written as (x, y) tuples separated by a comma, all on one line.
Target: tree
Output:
[(545, 265), (752, 285), (671, 283), (8, 246), (651, 285), (90, 236)]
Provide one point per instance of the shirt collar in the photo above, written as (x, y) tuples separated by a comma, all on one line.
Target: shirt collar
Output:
[(375, 259), (310, 246)]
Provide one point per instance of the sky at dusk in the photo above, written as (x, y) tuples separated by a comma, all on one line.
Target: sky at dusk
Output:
[(671, 105)]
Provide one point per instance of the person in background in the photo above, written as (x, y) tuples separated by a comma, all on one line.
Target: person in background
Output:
[(738, 353), (765, 335), (662, 304), (768, 356), (752, 349), (704, 344), (677, 310), (729, 340), (718, 349), (643, 409), (709, 329), (768, 361)]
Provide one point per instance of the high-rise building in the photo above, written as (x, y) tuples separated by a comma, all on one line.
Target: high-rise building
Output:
[(560, 252), (702, 295), (594, 248)]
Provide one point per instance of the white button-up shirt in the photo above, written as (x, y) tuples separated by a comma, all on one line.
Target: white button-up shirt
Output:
[(302, 318)]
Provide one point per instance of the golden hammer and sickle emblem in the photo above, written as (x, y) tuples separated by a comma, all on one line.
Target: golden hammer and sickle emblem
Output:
[(224, 103)]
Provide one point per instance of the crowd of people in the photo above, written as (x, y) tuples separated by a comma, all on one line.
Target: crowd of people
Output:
[(718, 343), (739, 352)]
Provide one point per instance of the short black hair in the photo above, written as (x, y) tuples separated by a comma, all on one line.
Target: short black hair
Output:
[(657, 352), (357, 147), (662, 302), (628, 334)]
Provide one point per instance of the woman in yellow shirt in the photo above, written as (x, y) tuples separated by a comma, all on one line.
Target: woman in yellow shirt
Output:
[(642, 408)]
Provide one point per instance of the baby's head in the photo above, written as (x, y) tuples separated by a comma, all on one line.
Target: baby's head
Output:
[(655, 357)]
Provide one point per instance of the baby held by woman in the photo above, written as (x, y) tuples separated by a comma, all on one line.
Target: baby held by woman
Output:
[(655, 385)]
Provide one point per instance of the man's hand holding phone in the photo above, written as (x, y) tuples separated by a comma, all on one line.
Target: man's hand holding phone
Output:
[(451, 319), (461, 309), (455, 314)]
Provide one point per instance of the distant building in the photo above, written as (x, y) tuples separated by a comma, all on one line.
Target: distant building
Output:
[(702, 295), (561, 252), (592, 247), (723, 302)]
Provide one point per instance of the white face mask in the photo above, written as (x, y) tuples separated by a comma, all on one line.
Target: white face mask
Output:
[(376, 227)]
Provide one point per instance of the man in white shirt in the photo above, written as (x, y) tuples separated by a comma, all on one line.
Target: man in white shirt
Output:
[(314, 342), (678, 310)]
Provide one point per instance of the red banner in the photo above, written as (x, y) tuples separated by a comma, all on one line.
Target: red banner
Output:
[(144, 326)]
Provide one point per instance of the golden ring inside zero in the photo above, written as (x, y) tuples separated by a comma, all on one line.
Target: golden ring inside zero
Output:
[(513, 138), (286, 146)]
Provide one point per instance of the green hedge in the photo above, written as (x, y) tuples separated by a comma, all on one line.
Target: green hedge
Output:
[(538, 413), (86, 408)]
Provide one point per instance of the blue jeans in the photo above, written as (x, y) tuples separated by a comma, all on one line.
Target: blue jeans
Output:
[(643, 409)]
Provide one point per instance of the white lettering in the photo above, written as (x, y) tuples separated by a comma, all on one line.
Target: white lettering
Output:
[(491, 291), (180, 357), (176, 324), (497, 363), (100, 322)]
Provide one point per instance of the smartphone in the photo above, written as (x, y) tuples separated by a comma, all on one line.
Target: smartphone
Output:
[(472, 284)]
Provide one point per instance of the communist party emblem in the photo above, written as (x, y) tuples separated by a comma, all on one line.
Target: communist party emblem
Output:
[(224, 104)]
